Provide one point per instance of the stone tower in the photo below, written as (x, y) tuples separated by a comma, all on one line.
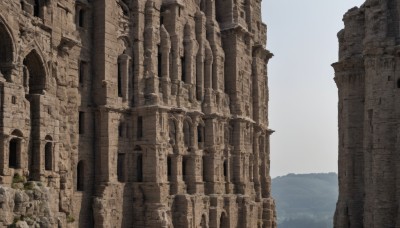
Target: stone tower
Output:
[(368, 79), (134, 113)]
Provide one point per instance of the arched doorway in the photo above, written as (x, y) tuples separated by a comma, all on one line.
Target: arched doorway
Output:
[(36, 78), (224, 221)]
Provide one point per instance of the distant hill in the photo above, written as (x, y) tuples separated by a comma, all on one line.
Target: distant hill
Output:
[(305, 200)]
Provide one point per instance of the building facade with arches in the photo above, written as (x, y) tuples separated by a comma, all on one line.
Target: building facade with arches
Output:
[(138, 113)]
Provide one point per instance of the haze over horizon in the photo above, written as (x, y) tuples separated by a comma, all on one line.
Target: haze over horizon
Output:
[(303, 94)]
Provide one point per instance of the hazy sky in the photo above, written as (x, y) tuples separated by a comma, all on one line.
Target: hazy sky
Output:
[(303, 95)]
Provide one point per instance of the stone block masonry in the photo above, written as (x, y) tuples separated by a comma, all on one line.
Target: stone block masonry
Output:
[(134, 113), (368, 78)]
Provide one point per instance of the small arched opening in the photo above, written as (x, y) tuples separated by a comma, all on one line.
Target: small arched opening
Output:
[(14, 149), (224, 221), (80, 182), (13, 153)]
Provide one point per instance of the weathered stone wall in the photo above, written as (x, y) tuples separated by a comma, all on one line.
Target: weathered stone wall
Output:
[(142, 113), (367, 76)]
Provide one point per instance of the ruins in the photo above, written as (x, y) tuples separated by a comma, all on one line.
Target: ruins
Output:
[(368, 78), (139, 113)]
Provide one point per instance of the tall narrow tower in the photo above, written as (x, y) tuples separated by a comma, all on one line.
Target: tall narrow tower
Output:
[(367, 76)]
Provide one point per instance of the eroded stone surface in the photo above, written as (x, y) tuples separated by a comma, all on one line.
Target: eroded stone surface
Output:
[(367, 76), (134, 113)]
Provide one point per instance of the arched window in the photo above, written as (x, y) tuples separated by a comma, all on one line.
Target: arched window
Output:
[(6, 50), (186, 133), (37, 75), (48, 156), (80, 182)]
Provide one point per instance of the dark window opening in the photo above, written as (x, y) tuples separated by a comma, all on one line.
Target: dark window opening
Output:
[(159, 62), (121, 130), (13, 153), (81, 18), (13, 99), (48, 155), (200, 134), (398, 83), (183, 66), (81, 123), (139, 127), (36, 8), (225, 169), (80, 176), (82, 71), (224, 222), (121, 167), (119, 79), (139, 168), (169, 168), (184, 167)]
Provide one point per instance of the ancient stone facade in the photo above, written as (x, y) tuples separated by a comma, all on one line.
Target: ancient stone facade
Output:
[(368, 78), (134, 113)]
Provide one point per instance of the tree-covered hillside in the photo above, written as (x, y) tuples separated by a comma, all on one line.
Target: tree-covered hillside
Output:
[(305, 200)]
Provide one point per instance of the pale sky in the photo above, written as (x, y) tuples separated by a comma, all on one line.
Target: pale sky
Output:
[(303, 95)]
